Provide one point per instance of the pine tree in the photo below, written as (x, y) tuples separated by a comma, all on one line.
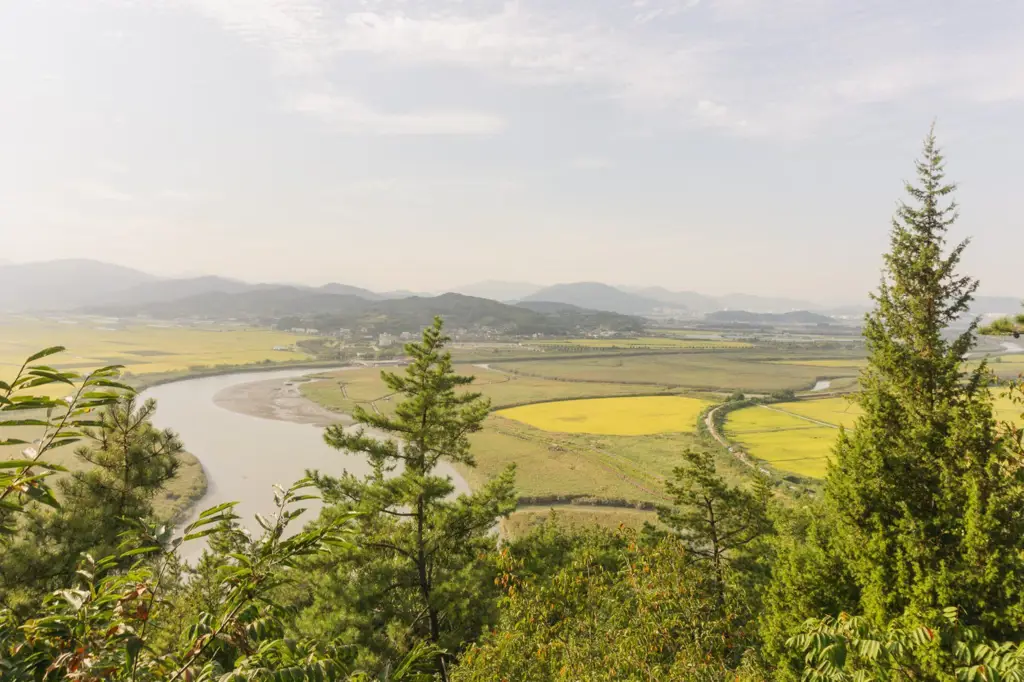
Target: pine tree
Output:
[(421, 571), (925, 502), (715, 521), (128, 461)]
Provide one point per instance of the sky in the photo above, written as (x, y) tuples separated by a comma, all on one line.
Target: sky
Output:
[(709, 145)]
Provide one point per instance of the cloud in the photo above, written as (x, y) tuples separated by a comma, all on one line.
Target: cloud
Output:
[(591, 163), (761, 68), (97, 190), (352, 116)]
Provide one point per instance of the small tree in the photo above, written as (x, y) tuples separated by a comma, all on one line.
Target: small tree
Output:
[(715, 521), (420, 573), (129, 462)]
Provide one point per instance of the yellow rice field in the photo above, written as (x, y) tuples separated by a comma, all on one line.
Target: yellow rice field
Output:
[(613, 416), (650, 342), (798, 436)]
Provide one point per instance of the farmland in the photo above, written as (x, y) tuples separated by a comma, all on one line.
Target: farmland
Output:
[(651, 342), (798, 436), (342, 390), (636, 416), (143, 349), (724, 371)]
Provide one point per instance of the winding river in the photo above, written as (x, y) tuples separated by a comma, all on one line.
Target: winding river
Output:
[(250, 431)]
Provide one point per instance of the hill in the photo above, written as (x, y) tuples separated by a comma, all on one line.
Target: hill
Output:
[(701, 303), (63, 284), (498, 290), (348, 290), (597, 296), (297, 307), (744, 316)]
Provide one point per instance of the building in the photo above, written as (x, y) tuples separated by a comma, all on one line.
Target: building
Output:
[(385, 340)]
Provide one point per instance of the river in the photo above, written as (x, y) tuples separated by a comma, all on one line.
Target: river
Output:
[(243, 454)]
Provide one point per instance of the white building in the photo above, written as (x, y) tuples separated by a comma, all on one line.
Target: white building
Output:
[(385, 340)]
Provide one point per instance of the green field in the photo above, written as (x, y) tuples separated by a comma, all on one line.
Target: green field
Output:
[(342, 390), (142, 349), (613, 416), (737, 370), (798, 436), (835, 362), (649, 342)]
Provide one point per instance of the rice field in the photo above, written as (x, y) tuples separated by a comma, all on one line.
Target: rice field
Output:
[(650, 343), (613, 416), (798, 436), (142, 349)]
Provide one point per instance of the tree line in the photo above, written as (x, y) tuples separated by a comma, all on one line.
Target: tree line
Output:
[(910, 566)]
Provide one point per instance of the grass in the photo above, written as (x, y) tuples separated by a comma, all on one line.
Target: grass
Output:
[(142, 349), (635, 416), (649, 342), (711, 371), (527, 518)]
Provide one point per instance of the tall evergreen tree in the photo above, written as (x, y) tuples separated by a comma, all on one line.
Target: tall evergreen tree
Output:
[(421, 571), (925, 501)]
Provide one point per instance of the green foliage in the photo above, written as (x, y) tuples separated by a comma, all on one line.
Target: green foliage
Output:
[(782, 396), (924, 500), (610, 609), (849, 648), (421, 571), (131, 461), (716, 522), (23, 481), (99, 627), (1005, 326)]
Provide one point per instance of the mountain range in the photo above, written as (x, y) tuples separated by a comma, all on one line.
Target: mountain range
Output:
[(65, 285)]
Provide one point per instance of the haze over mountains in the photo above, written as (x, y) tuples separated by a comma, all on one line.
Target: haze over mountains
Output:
[(78, 285)]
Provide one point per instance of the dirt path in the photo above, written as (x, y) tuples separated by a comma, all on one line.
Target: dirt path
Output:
[(709, 421)]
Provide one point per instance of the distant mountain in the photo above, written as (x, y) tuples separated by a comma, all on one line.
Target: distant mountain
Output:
[(348, 290), (549, 306), (295, 307), (173, 289), (745, 316), (597, 296), (763, 304), (691, 300), (702, 303), (63, 284), (499, 291)]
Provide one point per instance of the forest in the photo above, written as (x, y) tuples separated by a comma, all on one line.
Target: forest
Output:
[(909, 564)]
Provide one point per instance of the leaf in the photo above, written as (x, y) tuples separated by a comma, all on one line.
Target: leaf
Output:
[(219, 508), (17, 463), (24, 422), (52, 350), (140, 550)]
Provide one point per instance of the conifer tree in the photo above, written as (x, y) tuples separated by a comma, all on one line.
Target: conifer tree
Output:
[(420, 572), (924, 499)]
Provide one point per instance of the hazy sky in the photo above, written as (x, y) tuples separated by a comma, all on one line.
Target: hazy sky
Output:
[(715, 145)]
